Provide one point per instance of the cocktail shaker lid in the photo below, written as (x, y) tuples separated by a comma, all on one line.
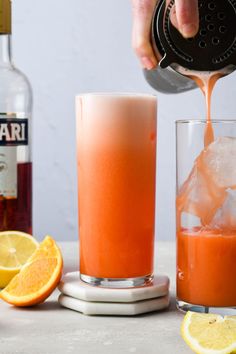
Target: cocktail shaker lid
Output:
[(214, 46)]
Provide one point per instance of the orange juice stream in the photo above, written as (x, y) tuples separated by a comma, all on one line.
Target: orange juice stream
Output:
[(206, 83), (116, 179), (206, 257)]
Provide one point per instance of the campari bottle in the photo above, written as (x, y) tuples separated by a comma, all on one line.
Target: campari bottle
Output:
[(15, 136)]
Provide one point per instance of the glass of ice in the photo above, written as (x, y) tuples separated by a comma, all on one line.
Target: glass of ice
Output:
[(206, 216)]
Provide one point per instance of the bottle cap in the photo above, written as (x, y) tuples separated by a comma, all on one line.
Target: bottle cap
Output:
[(5, 17)]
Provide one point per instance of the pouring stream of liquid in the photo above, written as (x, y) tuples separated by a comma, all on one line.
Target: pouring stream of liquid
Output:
[(206, 83)]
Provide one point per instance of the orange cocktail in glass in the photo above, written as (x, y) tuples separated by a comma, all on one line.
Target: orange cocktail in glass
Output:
[(206, 216), (116, 143), (206, 267)]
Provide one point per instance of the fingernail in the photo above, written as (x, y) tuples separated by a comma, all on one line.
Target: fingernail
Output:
[(148, 63), (189, 30)]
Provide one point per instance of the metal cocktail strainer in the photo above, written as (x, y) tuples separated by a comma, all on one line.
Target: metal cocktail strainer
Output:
[(212, 49)]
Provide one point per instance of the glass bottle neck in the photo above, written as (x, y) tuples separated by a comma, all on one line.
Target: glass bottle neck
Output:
[(5, 50)]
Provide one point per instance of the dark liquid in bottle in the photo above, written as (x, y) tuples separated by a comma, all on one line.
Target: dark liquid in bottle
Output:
[(16, 213)]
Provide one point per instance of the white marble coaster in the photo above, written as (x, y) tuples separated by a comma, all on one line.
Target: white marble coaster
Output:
[(111, 308), (73, 286)]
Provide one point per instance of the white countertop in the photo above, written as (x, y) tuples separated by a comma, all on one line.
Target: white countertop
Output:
[(51, 329)]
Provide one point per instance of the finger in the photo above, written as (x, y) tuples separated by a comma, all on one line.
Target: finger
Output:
[(141, 32), (173, 16), (187, 17)]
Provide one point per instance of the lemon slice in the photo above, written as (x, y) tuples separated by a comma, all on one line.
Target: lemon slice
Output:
[(38, 278), (209, 333), (15, 249)]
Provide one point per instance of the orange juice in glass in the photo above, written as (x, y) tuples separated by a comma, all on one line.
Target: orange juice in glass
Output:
[(116, 157), (206, 216)]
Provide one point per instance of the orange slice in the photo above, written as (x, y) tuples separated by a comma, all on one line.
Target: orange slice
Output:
[(37, 278)]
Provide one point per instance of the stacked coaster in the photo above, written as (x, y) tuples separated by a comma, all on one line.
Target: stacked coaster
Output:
[(92, 300)]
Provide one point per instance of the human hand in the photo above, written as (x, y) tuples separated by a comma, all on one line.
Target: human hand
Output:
[(185, 18)]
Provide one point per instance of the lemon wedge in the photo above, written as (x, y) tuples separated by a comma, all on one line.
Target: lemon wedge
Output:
[(15, 249), (38, 278), (209, 333)]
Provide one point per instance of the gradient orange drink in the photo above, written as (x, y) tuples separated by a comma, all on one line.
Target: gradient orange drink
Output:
[(116, 143)]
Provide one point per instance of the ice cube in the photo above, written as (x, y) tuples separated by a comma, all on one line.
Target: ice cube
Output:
[(199, 196), (225, 217), (214, 171), (220, 161)]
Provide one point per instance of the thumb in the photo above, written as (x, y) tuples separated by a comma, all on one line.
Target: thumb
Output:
[(187, 17)]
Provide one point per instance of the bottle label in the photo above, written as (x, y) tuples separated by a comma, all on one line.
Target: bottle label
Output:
[(13, 132)]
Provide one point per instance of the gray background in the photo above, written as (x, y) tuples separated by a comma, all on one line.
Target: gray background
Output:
[(72, 46)]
